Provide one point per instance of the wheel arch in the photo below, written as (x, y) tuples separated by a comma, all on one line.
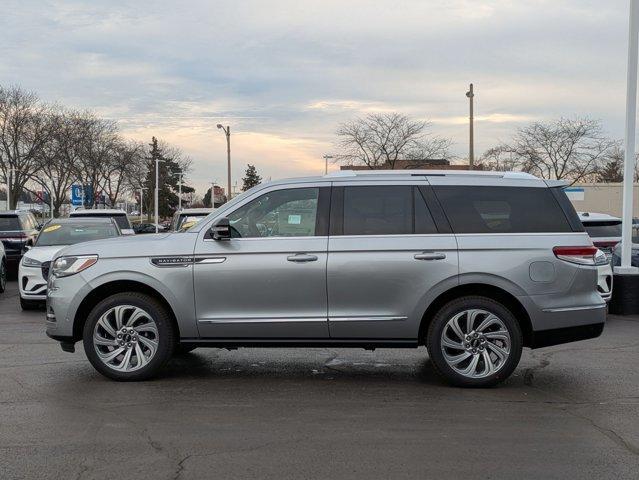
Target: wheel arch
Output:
[(110, 288), (493, 292)]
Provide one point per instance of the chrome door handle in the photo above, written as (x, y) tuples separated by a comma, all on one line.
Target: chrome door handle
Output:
[(301, 258), (430, 256)]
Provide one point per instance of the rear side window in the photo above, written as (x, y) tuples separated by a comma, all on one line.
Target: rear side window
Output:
[(8, 223), (122, 221), (385, 210), (502, 209)]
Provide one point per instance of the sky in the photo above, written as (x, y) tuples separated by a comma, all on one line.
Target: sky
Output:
[(284, 74)]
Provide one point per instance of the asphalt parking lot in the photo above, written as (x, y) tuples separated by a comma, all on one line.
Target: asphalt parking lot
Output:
[(570, 411)]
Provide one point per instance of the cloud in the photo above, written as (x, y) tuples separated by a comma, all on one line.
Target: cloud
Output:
[(285, 73)]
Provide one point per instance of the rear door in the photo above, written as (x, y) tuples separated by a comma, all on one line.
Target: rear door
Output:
[(389, 248)]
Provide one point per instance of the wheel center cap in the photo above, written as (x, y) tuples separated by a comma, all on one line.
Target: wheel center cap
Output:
[(127, 337)]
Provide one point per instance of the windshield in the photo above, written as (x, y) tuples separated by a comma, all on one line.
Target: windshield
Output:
[(8, 224), (603, 229), (187, 221), (72, 233)]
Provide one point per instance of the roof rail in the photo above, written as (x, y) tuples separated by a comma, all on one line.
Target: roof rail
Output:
[(438, 173)]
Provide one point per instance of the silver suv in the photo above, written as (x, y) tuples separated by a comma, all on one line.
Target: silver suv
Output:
[(473, 265)]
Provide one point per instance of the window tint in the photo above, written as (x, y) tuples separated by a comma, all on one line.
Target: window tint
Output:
[(603, 229), (424, 222), (282, 213), (386, 210), (502, 209), (9, 223)]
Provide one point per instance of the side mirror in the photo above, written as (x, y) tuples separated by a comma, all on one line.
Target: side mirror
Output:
[(221, 229), (27, 245)]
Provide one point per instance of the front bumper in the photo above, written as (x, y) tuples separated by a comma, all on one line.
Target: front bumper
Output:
[(64, 296), (31, 283)]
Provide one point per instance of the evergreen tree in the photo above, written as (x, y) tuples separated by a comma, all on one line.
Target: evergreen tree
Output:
[(251, 178)]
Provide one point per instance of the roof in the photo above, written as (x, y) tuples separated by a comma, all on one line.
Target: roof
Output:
[(72, 220), (96, 211), (596, 217), (196, 211)]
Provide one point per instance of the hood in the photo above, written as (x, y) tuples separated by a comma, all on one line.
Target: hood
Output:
[(159, 244), (44, 254)]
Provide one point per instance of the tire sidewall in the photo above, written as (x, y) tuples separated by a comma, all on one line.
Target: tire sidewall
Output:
[(465, 303), (162, 321)]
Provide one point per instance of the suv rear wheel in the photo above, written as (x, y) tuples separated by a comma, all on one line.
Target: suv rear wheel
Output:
[(474, 342), (128, 336)]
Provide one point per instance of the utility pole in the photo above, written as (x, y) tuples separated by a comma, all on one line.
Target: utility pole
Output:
[(227, 132), (326, 159), (471, 144)]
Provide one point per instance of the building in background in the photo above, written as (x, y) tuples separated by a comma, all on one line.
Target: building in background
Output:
[(600, 197)]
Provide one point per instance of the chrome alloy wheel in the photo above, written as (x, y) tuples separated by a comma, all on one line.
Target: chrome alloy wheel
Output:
[(125, 338), (475, 343)]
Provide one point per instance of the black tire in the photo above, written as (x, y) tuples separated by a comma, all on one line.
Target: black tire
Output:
[(183, 349), (3, 275), (159, 315), (31, 304), (446, 313)]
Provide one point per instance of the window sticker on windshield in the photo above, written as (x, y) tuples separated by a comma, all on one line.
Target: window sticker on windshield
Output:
[(294, 219), (51, 228)]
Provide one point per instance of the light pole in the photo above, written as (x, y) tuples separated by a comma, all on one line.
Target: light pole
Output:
[(227, 132), (213, 193), (471, 141), (157, 192), (142, 201), (326, 159), (179, 175)]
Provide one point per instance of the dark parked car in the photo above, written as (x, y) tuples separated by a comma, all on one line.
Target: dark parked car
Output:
[(17, 229), (140, 228)]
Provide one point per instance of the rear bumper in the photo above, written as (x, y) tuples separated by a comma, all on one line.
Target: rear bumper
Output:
[(556, 336)]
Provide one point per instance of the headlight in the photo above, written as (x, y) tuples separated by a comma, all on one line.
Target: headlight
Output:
[(65, 266), (30, 262)]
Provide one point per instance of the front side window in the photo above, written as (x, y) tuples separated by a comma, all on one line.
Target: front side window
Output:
[(281, 213), (502, 209)]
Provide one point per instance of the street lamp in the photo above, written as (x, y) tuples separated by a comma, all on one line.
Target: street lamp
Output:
[(213, 193), (157, 191), (471, 147), (326, 159), (227, 132), (142, 201), (179, 174)]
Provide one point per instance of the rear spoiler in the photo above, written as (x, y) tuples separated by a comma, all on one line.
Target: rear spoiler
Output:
[(556, 183)]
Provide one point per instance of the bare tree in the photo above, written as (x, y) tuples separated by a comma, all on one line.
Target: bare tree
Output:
[(564, 149), (98, 140), (25, 128), (379, 140), (499, 159), (123, 163)]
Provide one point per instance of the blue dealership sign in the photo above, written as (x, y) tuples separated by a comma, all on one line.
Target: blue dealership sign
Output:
[(76, 195)]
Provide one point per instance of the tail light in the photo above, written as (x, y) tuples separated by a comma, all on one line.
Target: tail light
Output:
[(612, 244), (13, 237), (578, 255)]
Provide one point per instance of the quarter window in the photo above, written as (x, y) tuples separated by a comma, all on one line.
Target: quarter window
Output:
[(502, 209), (281, 213)]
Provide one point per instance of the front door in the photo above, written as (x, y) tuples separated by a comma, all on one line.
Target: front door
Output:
[(387, 252), (269, 279)]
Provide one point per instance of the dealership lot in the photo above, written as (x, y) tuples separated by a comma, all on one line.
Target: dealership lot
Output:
[(570, 411)]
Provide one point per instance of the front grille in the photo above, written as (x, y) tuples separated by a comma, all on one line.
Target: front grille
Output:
[(45, 270)]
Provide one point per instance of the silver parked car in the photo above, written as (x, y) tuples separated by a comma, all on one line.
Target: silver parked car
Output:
[(456, 261)]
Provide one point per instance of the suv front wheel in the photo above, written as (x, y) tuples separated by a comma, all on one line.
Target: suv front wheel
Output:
[(128, 336), (474, 342)]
